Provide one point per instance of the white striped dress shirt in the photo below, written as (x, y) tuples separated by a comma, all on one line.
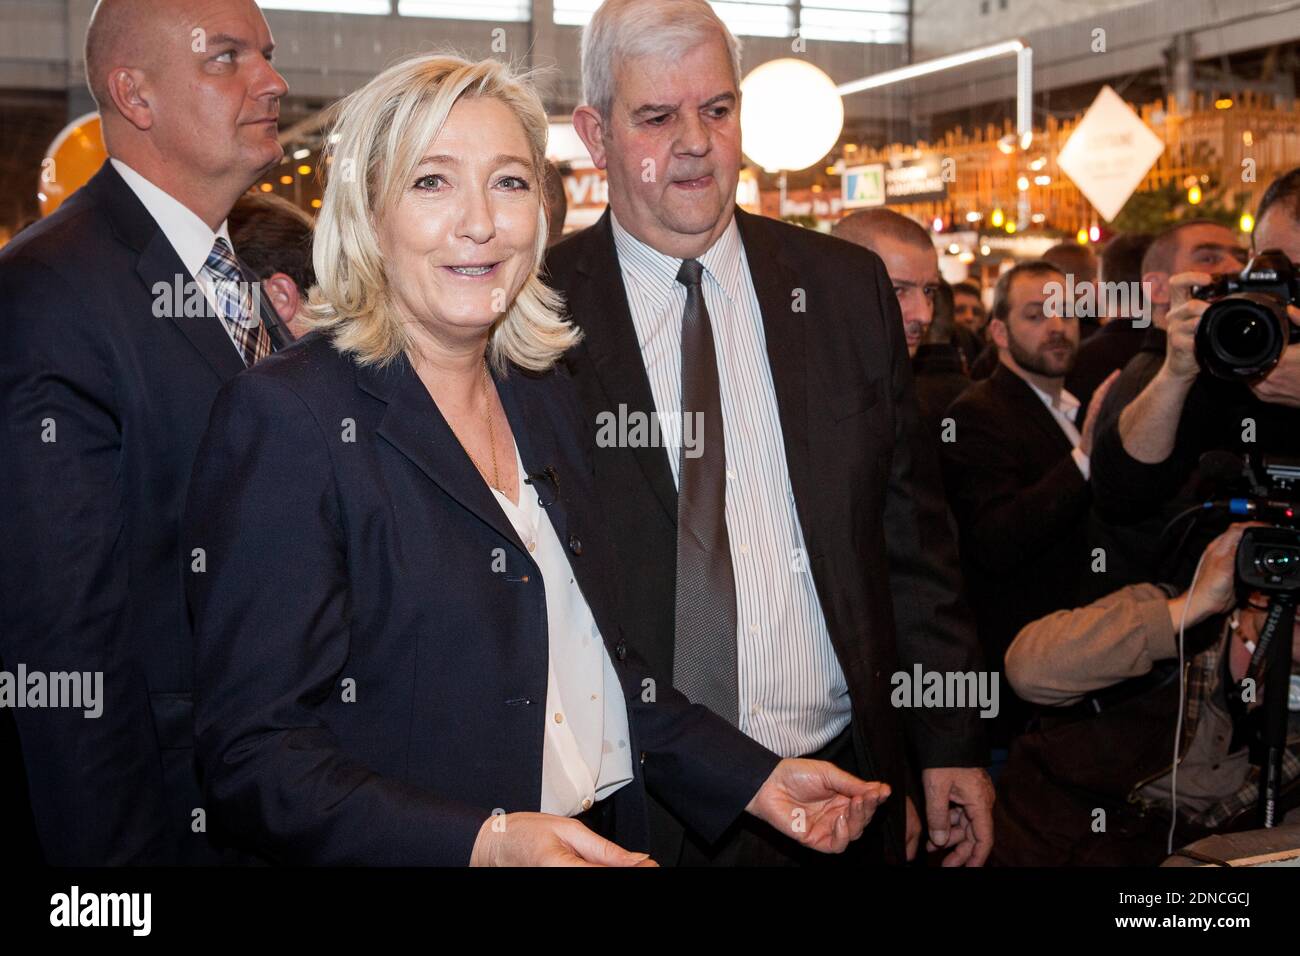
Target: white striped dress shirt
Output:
[(793, 695)]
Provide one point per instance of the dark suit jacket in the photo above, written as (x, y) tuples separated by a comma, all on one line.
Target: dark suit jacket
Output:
[(1021, 506), (103, 407), (865, 482), (353, 550), (940, 377)]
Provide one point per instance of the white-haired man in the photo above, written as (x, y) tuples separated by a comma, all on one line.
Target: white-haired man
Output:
[(784, 545)]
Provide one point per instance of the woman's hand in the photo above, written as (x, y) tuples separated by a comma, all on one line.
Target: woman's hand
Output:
[(544, 839)]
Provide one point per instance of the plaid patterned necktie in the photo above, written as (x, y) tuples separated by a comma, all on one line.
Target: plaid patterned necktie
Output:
[(235, 303)]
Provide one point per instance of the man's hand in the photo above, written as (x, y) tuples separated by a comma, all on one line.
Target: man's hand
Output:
[(1216, 584), (1148, 426), (544, 839), (1180, 326), (959, 811), (1281, 386), (817, 804), (1094, 407)]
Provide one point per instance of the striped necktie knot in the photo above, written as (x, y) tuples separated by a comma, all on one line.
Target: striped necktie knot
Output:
[(690, 273)]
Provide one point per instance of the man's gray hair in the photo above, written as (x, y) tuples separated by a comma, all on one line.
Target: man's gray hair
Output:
[(624, 29)]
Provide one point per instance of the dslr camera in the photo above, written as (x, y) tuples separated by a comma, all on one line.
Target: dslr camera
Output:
[(1242, 334)]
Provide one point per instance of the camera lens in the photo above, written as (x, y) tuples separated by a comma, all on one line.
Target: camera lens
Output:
[(1244, 337), (1241, 335), (1280, 562)]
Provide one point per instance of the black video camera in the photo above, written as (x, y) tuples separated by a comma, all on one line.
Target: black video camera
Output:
[(1268, 559), (1243, 332)]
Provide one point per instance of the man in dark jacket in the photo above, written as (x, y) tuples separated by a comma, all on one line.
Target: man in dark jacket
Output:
[(791, 555), (1016, 467), (120, 317)]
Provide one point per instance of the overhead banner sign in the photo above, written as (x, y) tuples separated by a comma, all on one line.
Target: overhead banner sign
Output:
[(894, 183), (1109, 153), (914, 180), (863, 186)]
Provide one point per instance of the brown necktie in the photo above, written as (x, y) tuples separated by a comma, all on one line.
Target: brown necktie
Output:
[(704, 655)]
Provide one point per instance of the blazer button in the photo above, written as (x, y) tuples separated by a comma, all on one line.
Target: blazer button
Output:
[(643, 758), (575, 545), (621, 651)]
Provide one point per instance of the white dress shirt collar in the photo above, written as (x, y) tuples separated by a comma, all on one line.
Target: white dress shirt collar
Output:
[(657, 272), (188, 234), (1064, 404)]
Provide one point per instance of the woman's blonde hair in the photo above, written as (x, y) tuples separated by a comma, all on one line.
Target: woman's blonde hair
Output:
[(378, 139)]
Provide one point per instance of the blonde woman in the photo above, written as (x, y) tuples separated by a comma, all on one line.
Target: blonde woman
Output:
[(407, 642)]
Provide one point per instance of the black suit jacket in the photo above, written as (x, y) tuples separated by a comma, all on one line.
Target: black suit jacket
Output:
[(353, 550), (1021, 506), (865, 481), (940, 377), (103, 407)]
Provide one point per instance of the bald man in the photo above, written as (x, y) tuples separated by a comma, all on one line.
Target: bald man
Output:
[(120, 316), (909, 258)]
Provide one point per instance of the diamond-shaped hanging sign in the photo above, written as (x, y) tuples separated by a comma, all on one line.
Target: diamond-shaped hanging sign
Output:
[(1109, 153)]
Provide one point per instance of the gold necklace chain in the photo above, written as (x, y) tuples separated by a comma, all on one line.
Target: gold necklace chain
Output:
[(492, 435)]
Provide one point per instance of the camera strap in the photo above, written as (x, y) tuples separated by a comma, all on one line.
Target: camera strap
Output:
[(1271, 663)]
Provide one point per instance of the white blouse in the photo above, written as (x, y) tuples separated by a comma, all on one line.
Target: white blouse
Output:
[(586, 755)]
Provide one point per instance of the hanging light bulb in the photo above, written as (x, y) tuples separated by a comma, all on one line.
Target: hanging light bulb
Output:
[(1082, 237), (1094, 234), (1247, 222), (997, 219), (1194, 195)]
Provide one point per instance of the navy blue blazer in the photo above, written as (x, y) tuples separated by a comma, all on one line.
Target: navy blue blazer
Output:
[(103, 401), (370, 633)]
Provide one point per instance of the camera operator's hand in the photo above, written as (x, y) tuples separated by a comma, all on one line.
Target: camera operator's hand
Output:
[(1282, 384), (1215, 591), (1148, 426), (1180, 326)]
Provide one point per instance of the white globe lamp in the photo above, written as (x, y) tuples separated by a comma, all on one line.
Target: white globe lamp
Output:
[(791, 115)]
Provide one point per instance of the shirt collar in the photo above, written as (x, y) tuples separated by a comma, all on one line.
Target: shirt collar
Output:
[(1067, 404), (188, 234), (656, 273)]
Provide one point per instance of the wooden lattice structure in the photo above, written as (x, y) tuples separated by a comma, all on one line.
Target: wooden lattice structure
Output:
[(986, 177)]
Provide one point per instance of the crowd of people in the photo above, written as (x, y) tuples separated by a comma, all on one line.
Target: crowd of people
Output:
[(1073, 445), (422, 535)]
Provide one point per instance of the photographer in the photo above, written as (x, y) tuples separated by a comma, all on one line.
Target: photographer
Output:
[(1160, 418), (1091, 786)]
